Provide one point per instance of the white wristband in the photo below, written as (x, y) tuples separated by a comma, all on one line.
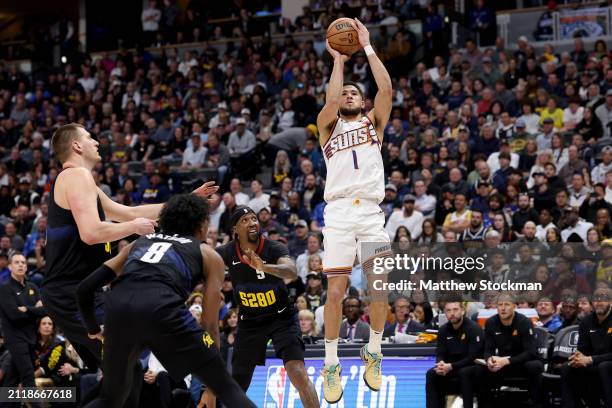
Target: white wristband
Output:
[(368, 50)]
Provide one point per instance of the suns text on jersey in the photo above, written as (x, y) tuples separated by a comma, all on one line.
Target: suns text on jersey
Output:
[(348, 139)]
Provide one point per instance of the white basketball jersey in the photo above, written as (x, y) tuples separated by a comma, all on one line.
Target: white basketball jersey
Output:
[(354, 162)]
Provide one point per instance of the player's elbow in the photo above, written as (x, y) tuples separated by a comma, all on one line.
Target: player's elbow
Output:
[(292, 274), (89, 237)]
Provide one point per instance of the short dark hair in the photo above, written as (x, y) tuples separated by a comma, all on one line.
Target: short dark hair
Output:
[(183, 214), (355, 84), (63, 138), (13, 254)]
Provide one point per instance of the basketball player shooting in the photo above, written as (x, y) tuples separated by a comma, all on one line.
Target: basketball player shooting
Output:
[(354, 188)]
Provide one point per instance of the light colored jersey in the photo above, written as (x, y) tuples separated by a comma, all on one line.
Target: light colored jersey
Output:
[(354, 162)]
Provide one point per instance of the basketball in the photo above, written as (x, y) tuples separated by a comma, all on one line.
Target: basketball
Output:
[(343, 37)]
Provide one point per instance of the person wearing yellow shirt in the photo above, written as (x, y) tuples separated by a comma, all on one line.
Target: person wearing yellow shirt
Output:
[(458, 220), (554, 112)]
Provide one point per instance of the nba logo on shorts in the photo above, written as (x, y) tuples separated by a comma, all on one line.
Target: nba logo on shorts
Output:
[(276, 388)]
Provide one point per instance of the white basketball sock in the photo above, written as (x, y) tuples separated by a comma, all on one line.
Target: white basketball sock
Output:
[(375, 339), (331, 352)]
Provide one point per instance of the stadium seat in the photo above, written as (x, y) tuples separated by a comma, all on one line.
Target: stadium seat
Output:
[(135, 166), (517, 386)]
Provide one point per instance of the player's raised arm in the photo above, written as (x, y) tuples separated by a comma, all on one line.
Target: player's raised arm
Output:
[(81, 194), (383, 101), (123, 213), (329, 113)]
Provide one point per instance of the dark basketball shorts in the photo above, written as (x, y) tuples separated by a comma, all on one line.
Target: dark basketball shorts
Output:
[(151, 315), (253, 337)]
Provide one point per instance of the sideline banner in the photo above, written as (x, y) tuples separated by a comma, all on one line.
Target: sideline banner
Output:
[(403, 384), (588, 22)]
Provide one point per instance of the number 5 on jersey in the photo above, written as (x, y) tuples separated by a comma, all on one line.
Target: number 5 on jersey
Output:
[(156, 252)]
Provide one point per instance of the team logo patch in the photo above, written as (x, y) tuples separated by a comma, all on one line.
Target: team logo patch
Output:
[(515, 332), (207, 340), (463, 336)]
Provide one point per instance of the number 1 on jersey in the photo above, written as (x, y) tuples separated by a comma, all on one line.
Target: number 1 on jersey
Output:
[(355, 164)]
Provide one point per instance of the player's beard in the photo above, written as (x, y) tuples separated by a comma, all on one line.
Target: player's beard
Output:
[(350, 112), (253, 238)]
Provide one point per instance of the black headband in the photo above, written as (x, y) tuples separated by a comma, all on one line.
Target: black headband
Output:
[(240, 212)]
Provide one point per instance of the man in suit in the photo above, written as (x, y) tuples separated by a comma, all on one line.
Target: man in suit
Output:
[(353, 328), (403, 323)]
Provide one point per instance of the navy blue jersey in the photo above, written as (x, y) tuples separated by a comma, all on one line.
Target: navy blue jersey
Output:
[(173, 260), (258, 294), (68, 257)]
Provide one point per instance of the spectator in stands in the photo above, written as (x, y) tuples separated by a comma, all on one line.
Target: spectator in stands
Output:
[(298, 242), (525, 213), (308, 328), (236, 189), (217, 157), (281, 168), (510, 350), (313, 247), (403, 322), (353, 328), (302, 303), (151, 16), (259, 199), (547, 316), (604, 114), (423, 313), (194, 157), (5, 272), (408, 217), (598, 174), (590, 365), (48, 342), (315, 293), (458, 220), (156, 192), (16, 241), (590, 127), (576, 229), (240, 145)]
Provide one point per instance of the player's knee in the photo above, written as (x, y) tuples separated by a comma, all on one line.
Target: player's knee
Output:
[(335, 294), (297, 374)]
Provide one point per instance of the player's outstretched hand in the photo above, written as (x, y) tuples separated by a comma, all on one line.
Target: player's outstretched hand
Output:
[(336, 54), (144, 226), (206, 190), (362, 32), (253, 260)]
